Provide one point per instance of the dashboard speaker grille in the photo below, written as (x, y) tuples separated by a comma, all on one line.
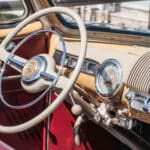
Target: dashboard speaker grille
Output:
[(139, 77)]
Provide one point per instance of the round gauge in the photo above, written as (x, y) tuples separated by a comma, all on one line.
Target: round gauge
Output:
[(108, 78)]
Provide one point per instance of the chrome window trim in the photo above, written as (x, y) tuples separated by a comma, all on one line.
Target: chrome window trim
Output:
[(84, 2), (19, 18)]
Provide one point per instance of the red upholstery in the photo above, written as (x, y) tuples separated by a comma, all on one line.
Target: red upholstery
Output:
[(61, 133), (30, 139)]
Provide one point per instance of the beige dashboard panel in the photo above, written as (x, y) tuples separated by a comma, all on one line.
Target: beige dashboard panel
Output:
[(126, 55), (32, 27)]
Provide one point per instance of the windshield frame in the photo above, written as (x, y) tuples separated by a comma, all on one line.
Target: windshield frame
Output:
[(85, 2), (104, 35)]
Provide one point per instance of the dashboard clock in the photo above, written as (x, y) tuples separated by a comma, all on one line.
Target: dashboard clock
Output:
[(108, 78)]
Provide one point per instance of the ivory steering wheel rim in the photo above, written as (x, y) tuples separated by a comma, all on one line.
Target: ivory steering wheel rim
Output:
[(47, 111)]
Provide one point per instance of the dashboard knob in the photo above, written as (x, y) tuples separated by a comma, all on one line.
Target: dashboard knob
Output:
[(130, 96), (76, 109)]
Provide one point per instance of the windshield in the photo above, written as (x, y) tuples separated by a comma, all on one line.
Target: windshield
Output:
[(131, 16)]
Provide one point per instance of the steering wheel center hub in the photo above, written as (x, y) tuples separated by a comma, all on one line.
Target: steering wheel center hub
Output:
[(33, 68)]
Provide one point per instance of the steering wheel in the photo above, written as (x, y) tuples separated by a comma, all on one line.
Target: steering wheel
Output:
[(38, 73)]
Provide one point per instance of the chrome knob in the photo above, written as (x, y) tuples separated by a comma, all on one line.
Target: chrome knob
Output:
[(130, 95)]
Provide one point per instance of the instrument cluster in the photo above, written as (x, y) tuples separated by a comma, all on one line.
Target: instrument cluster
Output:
[(119, 78), (108, 78)]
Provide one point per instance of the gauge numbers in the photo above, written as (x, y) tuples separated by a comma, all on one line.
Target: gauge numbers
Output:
[(108, 78)]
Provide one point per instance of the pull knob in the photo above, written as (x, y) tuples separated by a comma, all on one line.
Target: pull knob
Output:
[(130, 96)]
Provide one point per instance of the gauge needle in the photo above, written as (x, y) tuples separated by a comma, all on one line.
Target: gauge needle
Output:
[(107, 80)]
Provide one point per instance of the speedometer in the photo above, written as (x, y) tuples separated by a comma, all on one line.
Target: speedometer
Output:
[(108, 78)]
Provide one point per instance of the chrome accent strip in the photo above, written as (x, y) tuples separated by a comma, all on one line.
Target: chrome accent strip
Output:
[(71, 61), (15, 62), (12, 77), (47, 76)]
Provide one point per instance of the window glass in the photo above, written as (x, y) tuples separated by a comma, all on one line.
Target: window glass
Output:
[(11, 11), (133, 15)]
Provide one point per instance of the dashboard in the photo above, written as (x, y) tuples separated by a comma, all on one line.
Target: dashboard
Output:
[(113, 74)]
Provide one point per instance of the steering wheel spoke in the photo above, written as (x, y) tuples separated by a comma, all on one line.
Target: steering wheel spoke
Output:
[(47, 76), (54, 80), (16, 62)]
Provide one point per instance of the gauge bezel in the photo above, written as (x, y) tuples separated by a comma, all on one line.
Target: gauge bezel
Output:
[(97, 75)]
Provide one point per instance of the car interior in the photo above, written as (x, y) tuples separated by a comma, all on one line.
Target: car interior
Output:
[(74, 74)]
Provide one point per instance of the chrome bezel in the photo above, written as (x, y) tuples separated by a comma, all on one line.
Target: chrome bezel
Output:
[(43, 65), (97, 75)]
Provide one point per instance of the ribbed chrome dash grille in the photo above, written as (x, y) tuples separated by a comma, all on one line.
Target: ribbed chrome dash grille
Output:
[(139, 77)]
